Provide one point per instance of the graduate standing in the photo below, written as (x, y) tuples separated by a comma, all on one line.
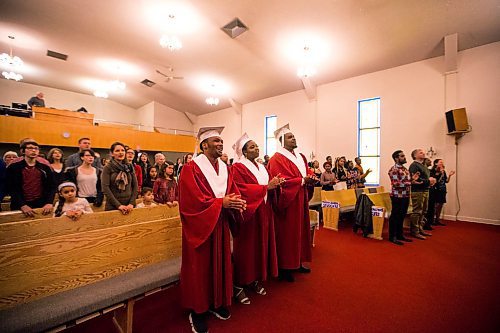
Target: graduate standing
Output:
[(254, 250), (208, 202), (292, 211)]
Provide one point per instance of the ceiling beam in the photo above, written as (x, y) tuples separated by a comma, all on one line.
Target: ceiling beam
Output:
[(193, 119), (451, 53), (236, 106), (309, 88)]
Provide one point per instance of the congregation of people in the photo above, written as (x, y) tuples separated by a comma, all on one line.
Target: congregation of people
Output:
[(245, 220)]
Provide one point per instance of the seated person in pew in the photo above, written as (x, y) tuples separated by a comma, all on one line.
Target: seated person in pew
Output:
[(147, 198), (30, 182), (165, 188), (69, 204), (327, 178)]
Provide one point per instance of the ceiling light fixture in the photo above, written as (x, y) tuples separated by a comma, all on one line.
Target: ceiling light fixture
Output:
[(117, 85), (12, 62), (101, 94), (212, 101), (170, 42), (12, 76)]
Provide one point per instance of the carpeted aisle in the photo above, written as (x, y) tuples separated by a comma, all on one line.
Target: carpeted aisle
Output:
[(448, 283)]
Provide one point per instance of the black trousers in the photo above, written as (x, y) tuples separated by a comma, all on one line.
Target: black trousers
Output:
[(398, 213)]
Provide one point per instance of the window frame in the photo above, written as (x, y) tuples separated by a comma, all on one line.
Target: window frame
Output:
[(266, 138), (368, 128)]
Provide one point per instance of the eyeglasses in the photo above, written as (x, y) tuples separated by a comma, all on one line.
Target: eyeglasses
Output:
[(32, 148)]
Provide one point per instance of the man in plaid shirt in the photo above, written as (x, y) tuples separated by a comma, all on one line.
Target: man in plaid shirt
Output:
[(400, 197)]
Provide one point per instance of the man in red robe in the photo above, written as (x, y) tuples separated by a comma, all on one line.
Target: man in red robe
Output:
[(208, 202), (292, 211), (254, 250)]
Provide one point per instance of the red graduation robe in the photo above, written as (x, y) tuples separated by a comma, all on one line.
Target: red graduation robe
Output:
[(254, 246), (292, 214), (206, 271)]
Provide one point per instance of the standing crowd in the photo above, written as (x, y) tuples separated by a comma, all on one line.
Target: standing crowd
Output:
[(260, 207)]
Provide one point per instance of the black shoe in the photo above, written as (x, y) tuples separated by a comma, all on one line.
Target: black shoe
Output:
[(221, 313), (303, 269), (404, 239), (395, 241), (198, 322), (428, 227), (440, 223), (286, 275)]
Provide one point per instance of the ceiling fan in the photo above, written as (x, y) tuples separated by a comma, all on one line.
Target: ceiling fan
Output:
[(168, 76)]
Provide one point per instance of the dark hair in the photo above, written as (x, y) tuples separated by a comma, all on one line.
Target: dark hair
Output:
[(184, 160), (326, 163), (58, 211), (201, 145), (414, 153), (146, 190), (245, 147), (328, 157), (81, 139), (29, 142), (51, 152), (436, 161), (169, 163), (82, 153), (117, 143), (396, 154)]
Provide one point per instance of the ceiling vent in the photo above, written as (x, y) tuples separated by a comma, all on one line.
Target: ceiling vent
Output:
[(148, 83), (57, 55), (234, 28)]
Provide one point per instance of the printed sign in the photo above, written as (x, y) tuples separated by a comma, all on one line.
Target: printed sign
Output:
[(330, 204), (376, 211)]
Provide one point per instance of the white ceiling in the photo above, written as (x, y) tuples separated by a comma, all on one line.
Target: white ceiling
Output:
[(357, 36)]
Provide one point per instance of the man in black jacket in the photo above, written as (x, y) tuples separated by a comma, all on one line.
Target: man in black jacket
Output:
[(30, 183)]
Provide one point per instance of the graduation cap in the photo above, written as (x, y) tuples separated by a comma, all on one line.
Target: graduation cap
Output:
[(239, 144), (209, 132), (280, 132)]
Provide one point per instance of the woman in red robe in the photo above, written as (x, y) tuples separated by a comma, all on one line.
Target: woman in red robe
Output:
[(254, 246)]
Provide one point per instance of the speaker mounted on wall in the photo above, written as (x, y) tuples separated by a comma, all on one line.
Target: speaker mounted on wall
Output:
[(457, 122)]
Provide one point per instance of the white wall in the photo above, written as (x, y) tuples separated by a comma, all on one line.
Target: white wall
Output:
[(413, 103), (169, 120), (12, 91), (145, 117)]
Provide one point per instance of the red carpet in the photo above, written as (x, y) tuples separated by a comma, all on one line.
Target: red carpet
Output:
[(448, 283)]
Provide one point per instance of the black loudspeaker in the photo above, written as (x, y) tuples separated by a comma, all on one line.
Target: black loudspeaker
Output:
[(456, 120)]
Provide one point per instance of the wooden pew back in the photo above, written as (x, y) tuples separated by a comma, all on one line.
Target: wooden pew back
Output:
[(46, 256), (343, 197)]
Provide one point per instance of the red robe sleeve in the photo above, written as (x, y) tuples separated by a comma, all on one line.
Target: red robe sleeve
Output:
[(250, 189), (200, 210), (279, 164)]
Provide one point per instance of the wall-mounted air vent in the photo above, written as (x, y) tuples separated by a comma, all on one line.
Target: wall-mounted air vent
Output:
[(57, 55), (148, 83), (234, 28)]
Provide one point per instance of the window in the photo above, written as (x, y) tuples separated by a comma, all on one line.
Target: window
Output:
[(271, 126), (369, 138)]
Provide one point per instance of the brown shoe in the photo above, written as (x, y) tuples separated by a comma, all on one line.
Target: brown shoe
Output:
[(427, 234), (418, 236)]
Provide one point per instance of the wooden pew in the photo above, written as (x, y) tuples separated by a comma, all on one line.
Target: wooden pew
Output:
[(382, 207), (316, 198), (314, 221), (55, 270), (62, 116), (334, 203)]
